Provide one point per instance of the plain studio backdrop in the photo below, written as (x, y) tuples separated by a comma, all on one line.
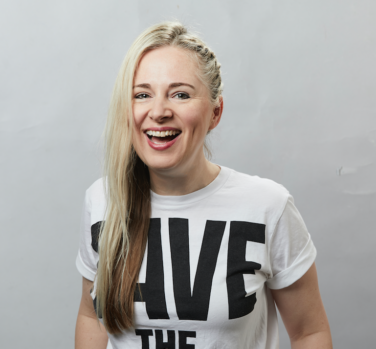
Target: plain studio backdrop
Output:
[(300, 104)]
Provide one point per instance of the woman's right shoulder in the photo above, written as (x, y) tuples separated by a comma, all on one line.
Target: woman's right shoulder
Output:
[(96, 192)]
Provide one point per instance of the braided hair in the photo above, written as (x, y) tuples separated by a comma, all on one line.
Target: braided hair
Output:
[(176, 34)]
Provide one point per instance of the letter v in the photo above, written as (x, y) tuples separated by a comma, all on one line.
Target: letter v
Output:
[(194, 306)]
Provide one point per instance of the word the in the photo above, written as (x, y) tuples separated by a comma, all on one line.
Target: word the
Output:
[(170, 344)]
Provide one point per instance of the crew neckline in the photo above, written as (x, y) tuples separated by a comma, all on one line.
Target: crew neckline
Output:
[(168, 200)]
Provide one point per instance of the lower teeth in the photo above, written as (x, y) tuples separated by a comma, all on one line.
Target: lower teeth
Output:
[(159, 142)]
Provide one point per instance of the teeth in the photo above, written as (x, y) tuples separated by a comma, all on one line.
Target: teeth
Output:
[(162, 133)]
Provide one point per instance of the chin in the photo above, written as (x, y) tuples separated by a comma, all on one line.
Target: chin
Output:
[(161, 166), (161, 163)]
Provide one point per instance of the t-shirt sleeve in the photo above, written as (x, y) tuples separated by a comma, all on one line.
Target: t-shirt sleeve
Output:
[(87, 257), (292, 251)]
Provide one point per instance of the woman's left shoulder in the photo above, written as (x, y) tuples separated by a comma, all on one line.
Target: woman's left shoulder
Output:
[(263, 189)]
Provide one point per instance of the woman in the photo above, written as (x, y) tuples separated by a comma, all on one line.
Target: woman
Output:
[(192, 255)]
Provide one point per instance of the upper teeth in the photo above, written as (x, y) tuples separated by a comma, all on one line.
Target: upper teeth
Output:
[(162, 133)]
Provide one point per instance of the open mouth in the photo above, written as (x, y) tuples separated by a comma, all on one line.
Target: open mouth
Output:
[(162, 137)]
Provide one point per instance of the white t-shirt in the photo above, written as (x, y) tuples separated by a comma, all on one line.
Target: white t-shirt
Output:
[(211, 258)]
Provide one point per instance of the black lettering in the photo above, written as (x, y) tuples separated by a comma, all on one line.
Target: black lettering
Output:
[(159, 344), (194, 306), (183, 335), (95, 230), (144, 337), (240, 233), (152, 291)]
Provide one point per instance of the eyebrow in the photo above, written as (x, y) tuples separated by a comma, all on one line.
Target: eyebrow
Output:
[(177, 84), (174, 84)]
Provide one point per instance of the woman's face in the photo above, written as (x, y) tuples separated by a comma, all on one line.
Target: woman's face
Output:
[(172, 111)]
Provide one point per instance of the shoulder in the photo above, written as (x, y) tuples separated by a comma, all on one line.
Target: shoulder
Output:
[(264, 192), (256, 184), (95, 194)]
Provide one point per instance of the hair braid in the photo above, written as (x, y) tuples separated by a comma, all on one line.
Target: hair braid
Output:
[(210, 68)]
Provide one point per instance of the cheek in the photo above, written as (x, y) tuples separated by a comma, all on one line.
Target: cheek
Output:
[(137, 123), (137, 117), (198, 120)]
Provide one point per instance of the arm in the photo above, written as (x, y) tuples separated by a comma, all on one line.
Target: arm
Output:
[(90, 333), (303, 313)]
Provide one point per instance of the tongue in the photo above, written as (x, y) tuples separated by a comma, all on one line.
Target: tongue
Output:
[(162, 139)]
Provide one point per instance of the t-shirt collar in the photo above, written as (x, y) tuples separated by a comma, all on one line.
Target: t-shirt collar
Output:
[(217, 183)]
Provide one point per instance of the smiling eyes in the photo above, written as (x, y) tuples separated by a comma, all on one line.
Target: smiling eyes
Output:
[(182, 95), (141, 96), (179, 95)]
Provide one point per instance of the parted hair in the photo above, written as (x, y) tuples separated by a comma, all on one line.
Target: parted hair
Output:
[(123, 235)]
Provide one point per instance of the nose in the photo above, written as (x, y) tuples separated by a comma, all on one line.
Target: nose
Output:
[(160, 110)]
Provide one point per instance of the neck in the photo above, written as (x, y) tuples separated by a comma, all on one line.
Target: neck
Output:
[(186, 181)]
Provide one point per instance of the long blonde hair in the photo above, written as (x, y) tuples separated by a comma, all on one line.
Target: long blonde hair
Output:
[(124, 233)]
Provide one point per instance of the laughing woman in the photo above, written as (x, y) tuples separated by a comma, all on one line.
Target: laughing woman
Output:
[(178, 252)]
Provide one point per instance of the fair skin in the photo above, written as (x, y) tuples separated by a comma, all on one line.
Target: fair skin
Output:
[(303, 313), (161, 101), (90, 333), (169, 94)]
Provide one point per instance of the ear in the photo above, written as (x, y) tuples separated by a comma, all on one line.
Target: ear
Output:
[(217, 114)]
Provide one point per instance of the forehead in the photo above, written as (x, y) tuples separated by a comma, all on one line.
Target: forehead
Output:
[(167, 64)]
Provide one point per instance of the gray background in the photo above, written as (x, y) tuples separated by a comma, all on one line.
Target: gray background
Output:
[(300, 84)]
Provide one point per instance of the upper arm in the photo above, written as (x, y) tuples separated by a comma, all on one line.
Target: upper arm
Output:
[(90, 333), (86, 305), (301, 307), (87, 257)]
